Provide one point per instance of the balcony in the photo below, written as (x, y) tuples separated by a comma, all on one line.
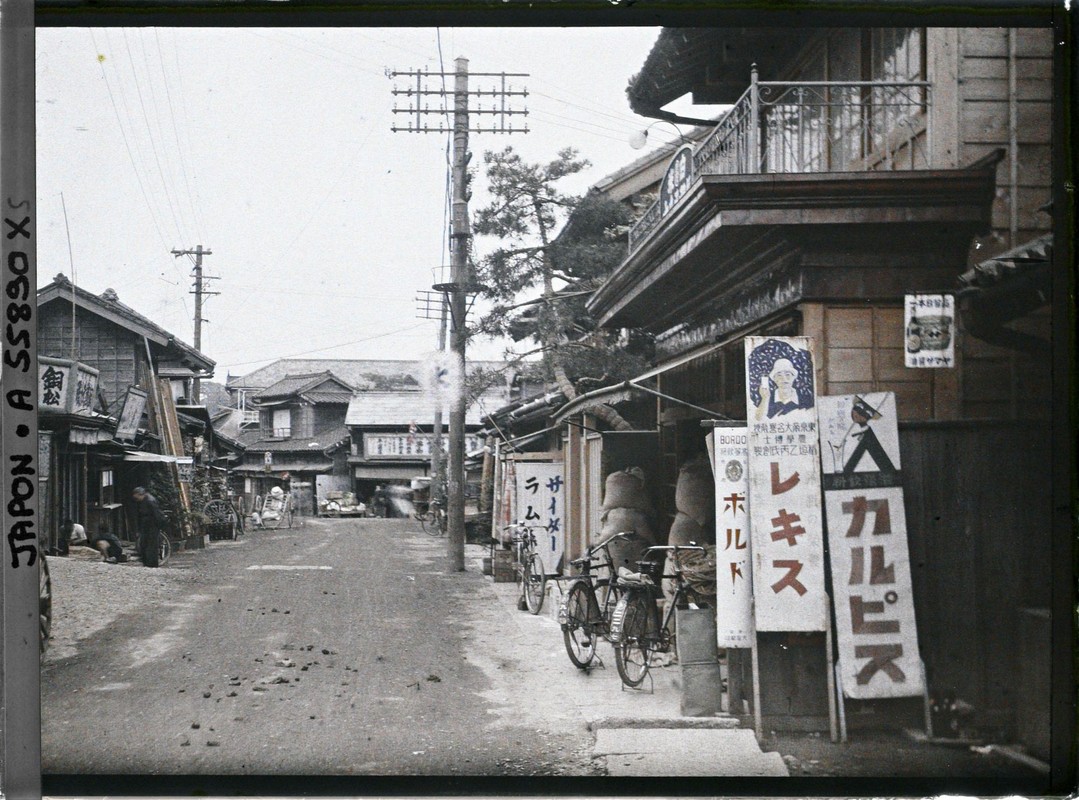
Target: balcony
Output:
[(807, 127)]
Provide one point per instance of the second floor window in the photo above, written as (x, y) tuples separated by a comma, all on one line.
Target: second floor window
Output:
[(282, 423)]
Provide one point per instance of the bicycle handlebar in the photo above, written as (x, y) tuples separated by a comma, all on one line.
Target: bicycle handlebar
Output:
[(591, 552)]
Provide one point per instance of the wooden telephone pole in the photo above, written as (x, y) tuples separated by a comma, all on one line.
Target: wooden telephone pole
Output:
[(200, 291), (461, 284)]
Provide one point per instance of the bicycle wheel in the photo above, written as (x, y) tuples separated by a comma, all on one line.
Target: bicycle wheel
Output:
[(535, 583), (44, 605), (635, 623), (164, 548), (577, 631)]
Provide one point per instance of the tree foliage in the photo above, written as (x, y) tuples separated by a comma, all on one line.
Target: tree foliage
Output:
[(526, 210)]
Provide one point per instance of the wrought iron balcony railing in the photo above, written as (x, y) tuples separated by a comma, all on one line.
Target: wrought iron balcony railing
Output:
[(812, 126)]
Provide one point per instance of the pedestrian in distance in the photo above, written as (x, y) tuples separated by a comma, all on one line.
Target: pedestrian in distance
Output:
[(71, 533), (149, 520), (111, 549)]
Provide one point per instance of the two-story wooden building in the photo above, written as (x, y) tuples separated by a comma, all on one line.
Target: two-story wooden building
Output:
[(126, 375), (856, 166)]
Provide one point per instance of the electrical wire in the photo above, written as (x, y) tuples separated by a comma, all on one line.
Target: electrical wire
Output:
[(330, 347), (176, 136)]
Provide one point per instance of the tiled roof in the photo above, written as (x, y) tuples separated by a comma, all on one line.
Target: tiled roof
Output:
[(312, 444), (361, 374), (319, 396), (398, 409), (108, 302), (299, 383)]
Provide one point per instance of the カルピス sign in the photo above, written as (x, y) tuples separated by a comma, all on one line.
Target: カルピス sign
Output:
[(787, 532), (867, 537)]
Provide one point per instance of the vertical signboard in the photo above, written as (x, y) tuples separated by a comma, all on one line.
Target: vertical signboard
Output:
[(734, 572), (786, 528), (867, 537), (540, 503), (929, 330)]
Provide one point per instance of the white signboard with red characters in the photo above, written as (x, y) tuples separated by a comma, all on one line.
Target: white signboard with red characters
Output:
[(734, 572), (540, 503), (867, 537), (787, 531)]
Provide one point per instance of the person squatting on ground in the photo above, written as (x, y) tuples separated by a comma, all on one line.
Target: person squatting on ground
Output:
[(149, 521)]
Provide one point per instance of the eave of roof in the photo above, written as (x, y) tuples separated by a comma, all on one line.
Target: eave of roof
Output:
[(124, 316)]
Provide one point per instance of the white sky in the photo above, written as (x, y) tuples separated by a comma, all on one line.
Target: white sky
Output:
[(273, 148)]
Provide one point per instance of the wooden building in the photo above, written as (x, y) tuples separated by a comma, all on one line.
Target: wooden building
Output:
[(854, 167), (119, 423)]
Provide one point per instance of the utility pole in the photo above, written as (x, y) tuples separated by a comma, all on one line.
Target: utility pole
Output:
[(432, 305), (461, 283), (199, 290)]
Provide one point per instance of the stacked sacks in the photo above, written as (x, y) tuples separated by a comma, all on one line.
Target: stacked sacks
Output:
[(694, 499), (626, 509)]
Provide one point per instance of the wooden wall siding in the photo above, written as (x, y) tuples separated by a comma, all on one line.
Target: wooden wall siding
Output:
[(327, 417), (101, 344), (978, 507), (863, 352), (982, 95)]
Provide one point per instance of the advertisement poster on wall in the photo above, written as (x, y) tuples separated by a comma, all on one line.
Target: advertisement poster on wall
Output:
[(929, 330), (540, 503), (786, 527), (734, 571), (867, 537)]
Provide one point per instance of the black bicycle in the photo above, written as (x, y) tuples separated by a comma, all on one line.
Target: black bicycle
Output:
[(528, 568), (589, 601), (636, 629)]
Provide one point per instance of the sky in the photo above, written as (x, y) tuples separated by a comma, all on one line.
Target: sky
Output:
[(272, 148)]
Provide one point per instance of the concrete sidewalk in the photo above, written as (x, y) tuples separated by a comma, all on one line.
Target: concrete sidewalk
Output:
[(636, 732)]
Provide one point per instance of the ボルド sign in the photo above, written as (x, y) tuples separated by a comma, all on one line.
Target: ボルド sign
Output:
[(734, 570), (867, 538)]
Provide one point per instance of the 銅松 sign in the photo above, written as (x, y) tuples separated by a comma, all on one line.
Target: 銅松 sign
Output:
[(929, 332), (867, 538), (786, 529), (540, 504), (66, 387), (734, 572)]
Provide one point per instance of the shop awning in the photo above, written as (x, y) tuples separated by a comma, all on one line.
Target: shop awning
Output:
[(150, 457), (621, 392)]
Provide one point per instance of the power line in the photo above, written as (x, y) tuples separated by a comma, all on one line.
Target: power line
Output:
[(330, 347), (176, 136)]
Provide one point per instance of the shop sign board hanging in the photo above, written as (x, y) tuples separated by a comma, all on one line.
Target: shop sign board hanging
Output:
[(734, 573), (508, 506), (929, 336), (540, 503), (786, 527), (867, 537)]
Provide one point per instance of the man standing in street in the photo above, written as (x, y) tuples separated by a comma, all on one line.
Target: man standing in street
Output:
[(148, 522)]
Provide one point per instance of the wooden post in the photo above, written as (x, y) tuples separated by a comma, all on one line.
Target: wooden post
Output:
[(831, 677)]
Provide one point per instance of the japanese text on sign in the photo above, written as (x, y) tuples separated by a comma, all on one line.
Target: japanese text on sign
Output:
[(786, 529), (541, 504), (867, 536), (929, 330), (734, 572)]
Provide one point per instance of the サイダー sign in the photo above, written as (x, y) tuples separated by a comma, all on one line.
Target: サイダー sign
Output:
[(867, 537), (929, 330), (786, 529), (734, 572), (540, 504)]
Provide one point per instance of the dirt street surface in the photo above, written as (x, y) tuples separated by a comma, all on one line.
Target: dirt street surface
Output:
[(339, 648), (343, 648)]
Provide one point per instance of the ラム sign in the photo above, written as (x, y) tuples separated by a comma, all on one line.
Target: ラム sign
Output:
[(867, 537), (929, 321), (541, 503), (734, 571), (786, 529)]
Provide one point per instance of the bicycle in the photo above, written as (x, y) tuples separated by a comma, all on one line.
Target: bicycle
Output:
[(433, 520), (530, 576), (636, 629), (584, 614)]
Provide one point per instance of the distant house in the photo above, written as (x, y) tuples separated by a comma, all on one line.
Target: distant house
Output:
[(127, 378), (393, 437), (301, 439)]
